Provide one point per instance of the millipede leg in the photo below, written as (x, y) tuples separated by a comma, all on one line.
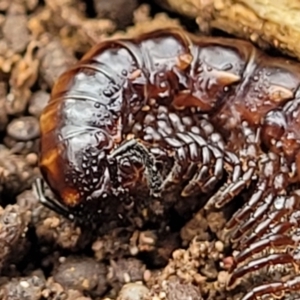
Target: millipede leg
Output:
[(239, 273), (192, 162), (38, 187), (248, 156), (273, 180), (229, 191), (265, 289), (206, 177), (277, 289)]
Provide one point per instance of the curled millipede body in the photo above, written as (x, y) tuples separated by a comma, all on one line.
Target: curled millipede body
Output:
[(169, 115)]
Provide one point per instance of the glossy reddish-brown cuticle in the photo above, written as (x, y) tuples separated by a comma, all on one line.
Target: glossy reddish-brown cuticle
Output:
[(201, 104)]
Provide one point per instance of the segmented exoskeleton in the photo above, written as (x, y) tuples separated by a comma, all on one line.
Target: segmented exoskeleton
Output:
[(168, 115)]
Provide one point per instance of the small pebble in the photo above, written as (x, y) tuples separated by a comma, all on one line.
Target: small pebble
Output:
[(24, 128), (133, 291)]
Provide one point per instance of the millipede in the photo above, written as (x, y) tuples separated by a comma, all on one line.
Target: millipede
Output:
[(171, 115)]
